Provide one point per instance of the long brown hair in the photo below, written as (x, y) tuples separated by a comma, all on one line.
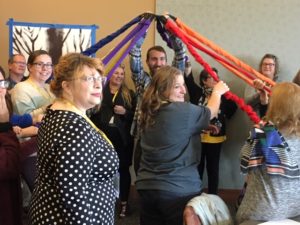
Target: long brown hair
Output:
[(284, 110), (156, 94), (125, 90), (126, 95)]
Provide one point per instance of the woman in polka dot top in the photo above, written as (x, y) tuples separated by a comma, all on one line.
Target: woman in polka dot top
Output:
[(76, 162)]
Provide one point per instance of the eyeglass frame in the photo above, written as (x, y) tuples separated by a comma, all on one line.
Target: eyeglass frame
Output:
[(268, 64), (42, 65), (93, 79), (19, 63), (4, 84)]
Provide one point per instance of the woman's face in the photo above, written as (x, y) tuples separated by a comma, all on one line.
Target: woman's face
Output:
[(2, 89), (86, 89), (178, 90), (41, 69), (209, 82), (268, 68), (118, 77)]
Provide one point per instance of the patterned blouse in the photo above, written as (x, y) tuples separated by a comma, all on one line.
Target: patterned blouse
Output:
[(76, 170)]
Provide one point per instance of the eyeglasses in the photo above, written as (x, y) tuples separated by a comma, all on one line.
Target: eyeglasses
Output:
[(19, 63), (269, 64), (4, 84), (93, 79), (41, 65)]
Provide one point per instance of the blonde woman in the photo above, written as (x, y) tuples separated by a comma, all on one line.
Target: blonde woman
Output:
[(271, 158), (115, 118)]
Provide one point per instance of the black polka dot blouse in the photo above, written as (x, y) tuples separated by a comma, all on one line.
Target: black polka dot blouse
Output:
[(76, 169)]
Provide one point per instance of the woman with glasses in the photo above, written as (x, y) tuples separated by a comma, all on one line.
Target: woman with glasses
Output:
[(22, 124), (114, 118), (257, 97), (33, 95), (76, 163), (10, 186)]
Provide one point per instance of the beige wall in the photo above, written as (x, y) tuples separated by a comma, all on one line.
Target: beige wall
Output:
[(108, 15)]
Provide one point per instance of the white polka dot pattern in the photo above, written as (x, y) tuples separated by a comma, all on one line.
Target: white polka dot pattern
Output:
[(76, 167)]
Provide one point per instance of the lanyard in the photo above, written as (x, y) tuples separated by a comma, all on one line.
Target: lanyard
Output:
[(115, 95), (75, 109), (39, 89)]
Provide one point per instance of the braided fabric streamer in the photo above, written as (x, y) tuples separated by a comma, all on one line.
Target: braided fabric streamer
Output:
[(220, 51), (134, 37), (172, 27), (93, 49)]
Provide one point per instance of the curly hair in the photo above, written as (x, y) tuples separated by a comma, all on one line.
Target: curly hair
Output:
[(156, 94), (69, 66), (283, 109)]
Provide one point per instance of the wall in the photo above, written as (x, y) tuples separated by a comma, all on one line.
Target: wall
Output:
[(108, 15), (248, 30)]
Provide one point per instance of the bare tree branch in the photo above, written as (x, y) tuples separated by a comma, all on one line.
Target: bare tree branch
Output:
[(66, 35)]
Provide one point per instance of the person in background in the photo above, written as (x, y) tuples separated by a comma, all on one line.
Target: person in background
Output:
[(16, 68), (33, 95), (212, 138), (155, 59), (271, 159), (296, 79), (22, 124), (10, 185), (168, 176), (257, 97), (76, 162), (114, 118), (207, 209)]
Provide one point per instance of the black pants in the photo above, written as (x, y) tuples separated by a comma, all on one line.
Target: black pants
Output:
[(137, 154), (125, 182), (211, 156), (163, 207), (29, 171)]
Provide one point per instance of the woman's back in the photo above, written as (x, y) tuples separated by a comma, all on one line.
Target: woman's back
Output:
[(271, 197)]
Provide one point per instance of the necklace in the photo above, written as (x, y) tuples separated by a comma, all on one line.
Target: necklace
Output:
[(75, 109)]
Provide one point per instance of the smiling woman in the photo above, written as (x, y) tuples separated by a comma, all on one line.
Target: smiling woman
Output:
[(10, 195), (34, 95), (76, 161), (114, 118), (168, 177)]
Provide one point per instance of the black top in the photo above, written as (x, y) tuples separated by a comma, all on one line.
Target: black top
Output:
[(117, 131), (75, 173), (199, 96)]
